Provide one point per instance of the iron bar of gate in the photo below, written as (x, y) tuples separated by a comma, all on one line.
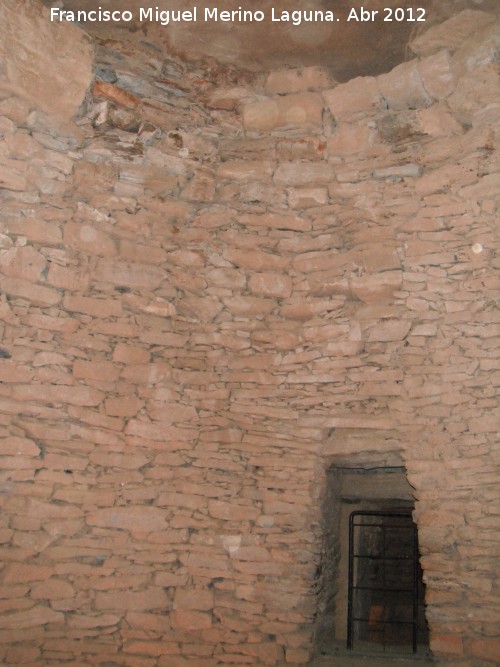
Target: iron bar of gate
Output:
[(351, 587)]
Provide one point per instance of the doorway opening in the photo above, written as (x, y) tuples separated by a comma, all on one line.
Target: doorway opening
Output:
[(371, 590), (384, 597)]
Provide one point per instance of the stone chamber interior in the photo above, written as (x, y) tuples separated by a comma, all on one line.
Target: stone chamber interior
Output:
[(238, 304)]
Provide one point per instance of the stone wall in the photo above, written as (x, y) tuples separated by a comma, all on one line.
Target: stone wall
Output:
[(215, 289)]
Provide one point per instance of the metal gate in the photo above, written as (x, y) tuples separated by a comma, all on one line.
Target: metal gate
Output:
[(383, 596)]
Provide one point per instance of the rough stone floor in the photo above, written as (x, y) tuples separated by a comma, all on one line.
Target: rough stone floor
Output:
[(342, 658), (369, 661)]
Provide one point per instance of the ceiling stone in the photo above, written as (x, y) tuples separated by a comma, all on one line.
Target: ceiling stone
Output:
[(347, 49)]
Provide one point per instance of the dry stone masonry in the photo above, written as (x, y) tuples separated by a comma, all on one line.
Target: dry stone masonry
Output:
[(214, 288)]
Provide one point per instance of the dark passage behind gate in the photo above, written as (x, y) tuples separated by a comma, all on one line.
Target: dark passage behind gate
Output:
[(383, 595)]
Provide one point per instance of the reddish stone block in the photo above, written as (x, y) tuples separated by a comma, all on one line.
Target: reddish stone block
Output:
[(33, 618), (302, 148), (202, 187), (245, 170), (58, 83), (302, 110), (389, 330), (153, 648), (255, 259), (95, 418), (34, 294), (252, 553), (447, 644), (183, 619), (20, 572), (53, 511), (25, 263), (135, 276), (16, 464), (184, 500), (13, 372), (176, 437), (266, 652), (16, 109), (68, 279), (12, 175), (124, 406), (37, 231), (147, 374), (115, 94), (371, 288), (75, 395), (88, 238), (141, 253), (145, 518), (300, 198), (178, 661), (226, 277), (200, 600), (93, 307), (274, 221), (119, 460), (173, 412), (147, 622), (483, 189), (93, 621), (52, 589), (297, 656), (402, 87), (6, 535), (144, 600), (104, 371), (187, 258), (22, 655), (486, 648), (437, 121), (54, 375), (54, 461), (262, 115), (350, 139), (282, 340), (228, 98), (204, 308), (130, 354), (271, 284), (46, 322), (245, 306), (357, 95), (437, 75), (232, 511), (50, 359), (303, 173), (85, 177)]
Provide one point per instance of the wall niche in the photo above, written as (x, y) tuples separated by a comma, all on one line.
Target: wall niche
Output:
[(371, 593)]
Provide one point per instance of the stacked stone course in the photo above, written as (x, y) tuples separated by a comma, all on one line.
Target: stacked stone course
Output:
[(203, 309)]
